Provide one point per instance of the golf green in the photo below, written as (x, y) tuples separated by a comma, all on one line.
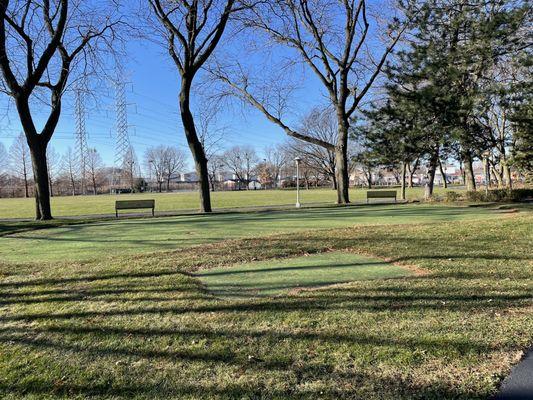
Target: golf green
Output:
[(274, 277)]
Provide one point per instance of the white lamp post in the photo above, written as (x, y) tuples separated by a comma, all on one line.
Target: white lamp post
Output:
[(298, 159), (486, 155)]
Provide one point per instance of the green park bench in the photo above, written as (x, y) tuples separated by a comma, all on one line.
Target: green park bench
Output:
[(380, 194), (134, 205)]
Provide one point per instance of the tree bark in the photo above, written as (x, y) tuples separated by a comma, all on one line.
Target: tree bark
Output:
[(334, 181), (412, 171), (341, 160), (404, 173), (507, 175), (443, 175), (470, 180), (497, 175), (369, 178), (200, 160), (26, 186), (428, 193), (40, 173)]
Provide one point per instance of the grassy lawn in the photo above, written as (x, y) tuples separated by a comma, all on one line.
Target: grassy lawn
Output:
[(82, 242), (113, 310), (277, 277), (105, 204)]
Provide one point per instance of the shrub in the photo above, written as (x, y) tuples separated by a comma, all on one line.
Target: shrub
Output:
[(452, 196), (499, 195)]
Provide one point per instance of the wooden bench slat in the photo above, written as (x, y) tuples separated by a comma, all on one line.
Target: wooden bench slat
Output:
[(381, 194), (134, 204)]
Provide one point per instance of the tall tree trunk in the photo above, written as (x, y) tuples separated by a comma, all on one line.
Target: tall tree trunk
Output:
[(497, 175), (26, 185), (507, 175), (402, 181), (369, 178), (95, 192), (428, 193), (197, 150), (341, 160), (334, 181), (40, 176), (443, 175), (412, 171), (470, 180), (168, 184)]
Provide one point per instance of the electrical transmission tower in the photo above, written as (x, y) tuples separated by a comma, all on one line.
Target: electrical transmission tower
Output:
[(122, 139), (81, 140)]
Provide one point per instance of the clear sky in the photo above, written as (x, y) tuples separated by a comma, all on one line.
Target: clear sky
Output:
[(152, 112)]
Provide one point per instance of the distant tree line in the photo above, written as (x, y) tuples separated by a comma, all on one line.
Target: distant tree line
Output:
[(408, 86)]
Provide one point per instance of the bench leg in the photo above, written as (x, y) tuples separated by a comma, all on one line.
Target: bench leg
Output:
[(153, 212), (116, 213)]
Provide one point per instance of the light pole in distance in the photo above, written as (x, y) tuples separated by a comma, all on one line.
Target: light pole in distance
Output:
[(297, 160)]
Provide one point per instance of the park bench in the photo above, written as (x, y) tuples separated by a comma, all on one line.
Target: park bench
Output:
[(380, 194), (133, 205)]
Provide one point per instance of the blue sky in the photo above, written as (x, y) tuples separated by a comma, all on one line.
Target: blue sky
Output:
[(153, 113), (151, 92)]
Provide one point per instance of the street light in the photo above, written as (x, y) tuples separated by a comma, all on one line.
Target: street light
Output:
[(298, 159), (486, 155)]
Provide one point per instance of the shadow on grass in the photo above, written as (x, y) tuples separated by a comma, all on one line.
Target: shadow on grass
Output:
[(398, 388)]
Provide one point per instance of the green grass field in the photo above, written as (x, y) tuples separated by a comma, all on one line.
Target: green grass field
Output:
[(277, 277), (105, 204), (90, 241), (427, 302)]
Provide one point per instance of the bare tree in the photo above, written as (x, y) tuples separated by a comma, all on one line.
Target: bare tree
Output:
[(94, 166), (276, 157), (336, 40), (215, 168), (154, 158), (4, 159), (130, 168), (21, 161), (43, 43), (192, 30), (321, 124), (69, 168), (241, 161), (53, 161), (165, 162), (173, 162)]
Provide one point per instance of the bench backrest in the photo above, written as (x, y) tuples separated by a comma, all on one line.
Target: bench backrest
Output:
[(380, 194), (132, 204)]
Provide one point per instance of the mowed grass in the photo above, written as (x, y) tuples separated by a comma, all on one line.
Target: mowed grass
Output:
[(92, 241), (277, 277), (141, 325), (166, 202)]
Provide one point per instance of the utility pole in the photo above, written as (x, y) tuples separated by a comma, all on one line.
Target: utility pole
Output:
[(81, 139)]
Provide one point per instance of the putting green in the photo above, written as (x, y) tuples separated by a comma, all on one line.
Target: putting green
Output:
[(274, 277)]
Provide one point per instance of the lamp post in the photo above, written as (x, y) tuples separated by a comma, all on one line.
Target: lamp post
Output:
[(297, 160), (486, 155)]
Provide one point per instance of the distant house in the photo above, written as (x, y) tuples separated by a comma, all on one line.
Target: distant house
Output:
[(188, 177)]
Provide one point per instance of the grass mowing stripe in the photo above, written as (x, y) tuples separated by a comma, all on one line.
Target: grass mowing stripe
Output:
[(94, 240), (275, 277)]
